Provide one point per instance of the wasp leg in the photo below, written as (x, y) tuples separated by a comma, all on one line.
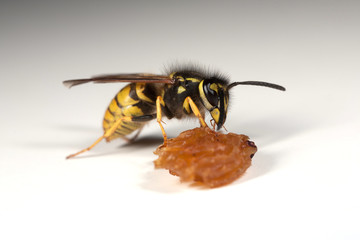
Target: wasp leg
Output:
[(212, 123), (225, 128), (159, 102), (130, 140), (111, 131), (196, 111), (144, 118), (106, 134)]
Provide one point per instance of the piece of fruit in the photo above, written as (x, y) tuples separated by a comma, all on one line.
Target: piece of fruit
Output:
[(206, 156)]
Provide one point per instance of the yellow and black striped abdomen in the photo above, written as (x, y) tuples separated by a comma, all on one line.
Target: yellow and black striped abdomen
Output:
[(134, 100)]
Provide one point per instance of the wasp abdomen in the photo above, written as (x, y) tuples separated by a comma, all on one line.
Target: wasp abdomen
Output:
[(134, 100)]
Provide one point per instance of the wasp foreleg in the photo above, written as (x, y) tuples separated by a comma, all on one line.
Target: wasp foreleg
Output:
[(196, 111)]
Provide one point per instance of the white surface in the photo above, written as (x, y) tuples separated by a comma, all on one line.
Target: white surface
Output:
[(304, 180)]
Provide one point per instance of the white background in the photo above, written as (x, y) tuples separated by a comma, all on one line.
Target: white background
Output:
[(304, 181)]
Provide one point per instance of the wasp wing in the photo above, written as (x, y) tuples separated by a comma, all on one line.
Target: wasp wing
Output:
[(133, 77)]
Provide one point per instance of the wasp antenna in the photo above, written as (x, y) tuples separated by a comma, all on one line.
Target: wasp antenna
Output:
[(257, 83)]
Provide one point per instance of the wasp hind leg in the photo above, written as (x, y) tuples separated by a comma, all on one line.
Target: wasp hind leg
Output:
[(144, 118), (133, 138), (112, 130), (106, 134)]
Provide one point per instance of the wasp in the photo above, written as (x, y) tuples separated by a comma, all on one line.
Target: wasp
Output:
[(181, 93)]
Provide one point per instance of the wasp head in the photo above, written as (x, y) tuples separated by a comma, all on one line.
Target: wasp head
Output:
[(215, 97), (214, 94)]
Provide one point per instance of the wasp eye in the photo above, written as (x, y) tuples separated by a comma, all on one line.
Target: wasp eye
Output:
[(211, 95)]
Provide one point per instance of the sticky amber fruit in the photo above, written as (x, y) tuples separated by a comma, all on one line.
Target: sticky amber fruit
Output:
[(206, 156)]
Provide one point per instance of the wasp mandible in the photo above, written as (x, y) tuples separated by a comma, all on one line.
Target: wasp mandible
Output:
[(183, 92)]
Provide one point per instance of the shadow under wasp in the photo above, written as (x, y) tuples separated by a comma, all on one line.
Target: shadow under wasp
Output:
[(184, 92)]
